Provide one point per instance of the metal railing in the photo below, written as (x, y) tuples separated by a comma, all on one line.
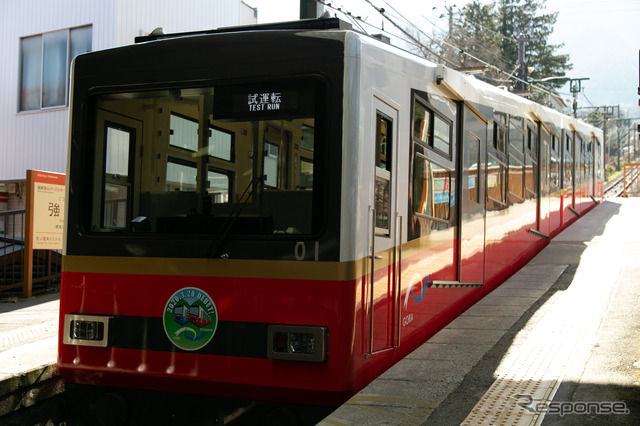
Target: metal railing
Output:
[(631, 181), (46, 263)]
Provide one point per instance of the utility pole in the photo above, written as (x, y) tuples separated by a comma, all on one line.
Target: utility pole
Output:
[(521, 84), (608, 113), (606, 116), (618, 134), (575, 85), (450, 11), (605, 145)]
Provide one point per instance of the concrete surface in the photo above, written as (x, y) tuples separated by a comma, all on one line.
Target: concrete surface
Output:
[(28, 350)]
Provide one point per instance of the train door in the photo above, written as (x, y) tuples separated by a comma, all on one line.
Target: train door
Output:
[(544, 197), (472, 199), (568, 181), (532, 166), (578, 169), (555, 182), (384, 260)]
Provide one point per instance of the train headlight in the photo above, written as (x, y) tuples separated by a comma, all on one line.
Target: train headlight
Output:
[(297, 343), (86, 330)]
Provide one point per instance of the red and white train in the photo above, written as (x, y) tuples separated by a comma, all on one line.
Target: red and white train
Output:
[(322, 201)]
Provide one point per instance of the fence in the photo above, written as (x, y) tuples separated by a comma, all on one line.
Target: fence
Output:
[(46, 263), (631, 180)]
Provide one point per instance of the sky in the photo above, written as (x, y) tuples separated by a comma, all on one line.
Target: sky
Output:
[(602, 38)]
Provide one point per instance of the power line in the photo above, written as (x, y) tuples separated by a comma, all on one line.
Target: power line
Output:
[(486, 51), (413, 39), (418, 43)]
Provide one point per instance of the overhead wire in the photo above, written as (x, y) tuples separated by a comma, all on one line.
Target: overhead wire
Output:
[(413, 40), (459, 50), (481, 47), (486, 51), (400, 28), (502, 36), (408, 22), (420, 31)]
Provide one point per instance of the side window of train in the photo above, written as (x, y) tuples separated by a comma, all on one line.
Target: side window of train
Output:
[(531, 162), (554, 166), (472, 167), (431, 129), (582, 174), (383, 173), (432, 181), (568, 161), (431, 189), (499, 137), (515, 161), (497, 165), (516, 137), (496, 184)]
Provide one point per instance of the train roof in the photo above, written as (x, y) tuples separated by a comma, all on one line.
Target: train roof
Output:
[(459, 85), (510, 103), (302, 25)]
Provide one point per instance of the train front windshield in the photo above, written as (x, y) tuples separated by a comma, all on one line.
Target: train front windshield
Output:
[(231, 159)]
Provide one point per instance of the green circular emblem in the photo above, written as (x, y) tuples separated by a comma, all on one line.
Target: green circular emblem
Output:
[(190, 318)]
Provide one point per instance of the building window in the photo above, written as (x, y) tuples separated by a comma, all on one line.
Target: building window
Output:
[(45, 61)]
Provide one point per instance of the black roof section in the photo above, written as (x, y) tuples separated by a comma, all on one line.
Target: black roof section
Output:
[(303, 24)]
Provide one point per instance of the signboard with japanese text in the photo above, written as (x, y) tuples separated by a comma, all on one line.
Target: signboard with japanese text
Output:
[(48, 210), (267, 101)]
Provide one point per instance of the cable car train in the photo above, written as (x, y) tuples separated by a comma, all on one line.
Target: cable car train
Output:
[(282, 212)]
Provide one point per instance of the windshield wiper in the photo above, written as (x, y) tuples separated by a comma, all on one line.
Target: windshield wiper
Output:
[(231, 218)]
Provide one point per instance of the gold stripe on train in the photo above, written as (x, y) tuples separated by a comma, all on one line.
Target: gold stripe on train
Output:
[(282, 269), (236, 268)]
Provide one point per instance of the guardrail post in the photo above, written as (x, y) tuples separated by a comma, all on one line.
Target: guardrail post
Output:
[(27, 277)]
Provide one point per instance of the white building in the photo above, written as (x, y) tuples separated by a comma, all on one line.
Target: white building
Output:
[(38, 40)]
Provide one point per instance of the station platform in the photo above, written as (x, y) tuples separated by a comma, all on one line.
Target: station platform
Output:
[(28, 350), (556, 344)]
